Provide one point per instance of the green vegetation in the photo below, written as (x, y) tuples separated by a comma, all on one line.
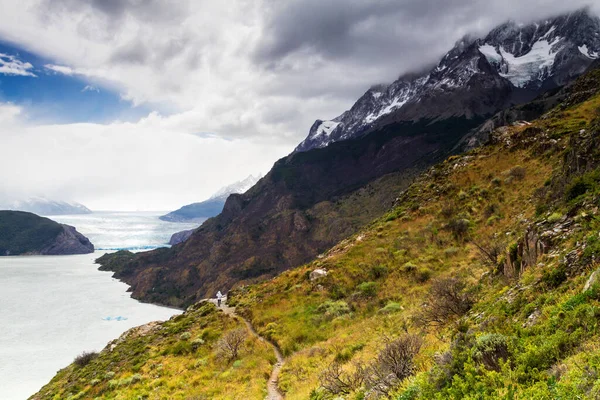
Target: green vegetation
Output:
[(201, 354), (23, 232), (430, 301)]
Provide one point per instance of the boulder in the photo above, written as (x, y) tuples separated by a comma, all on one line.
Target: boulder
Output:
[(592, 280), (317, 274)]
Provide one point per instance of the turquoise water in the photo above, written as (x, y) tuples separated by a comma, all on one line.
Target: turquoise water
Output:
[(116, 230), (52, 308)]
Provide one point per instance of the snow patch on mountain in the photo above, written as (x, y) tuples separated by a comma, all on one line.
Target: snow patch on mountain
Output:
[(491, 54), (325, 128), (536, 64), (588, 53)]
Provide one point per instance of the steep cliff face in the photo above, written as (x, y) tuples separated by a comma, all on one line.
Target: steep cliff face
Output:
[(23, 233), (180, 237)]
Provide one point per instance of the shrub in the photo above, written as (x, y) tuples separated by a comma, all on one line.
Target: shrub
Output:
[(332, 309), (185, 336), (179, 348), (379, 271), (578, 188), (451, 251), (85, 358), (592, 250), (231, 343), (336, 381), (553, 278), (459, 227), (448, 211), (409, 267), (446, 300), (490, 349), (368, 289), (347, 353), (554, 217), (196, 343), (491, 209), (423, 275), (490, 252), (517, 172), (394, 363), (391, 307)]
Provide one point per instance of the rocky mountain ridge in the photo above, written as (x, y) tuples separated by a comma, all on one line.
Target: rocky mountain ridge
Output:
[(479, 76)]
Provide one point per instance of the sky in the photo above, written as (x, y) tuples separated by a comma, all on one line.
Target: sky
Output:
[(153, 104)]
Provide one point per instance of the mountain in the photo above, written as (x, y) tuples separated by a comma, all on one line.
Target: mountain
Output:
[(44, 206), (23, 233), (310, 200), (480, 76), (482, 281), (212, 206)]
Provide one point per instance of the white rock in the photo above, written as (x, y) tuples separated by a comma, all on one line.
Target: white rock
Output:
[(593, 279), (317, 273)]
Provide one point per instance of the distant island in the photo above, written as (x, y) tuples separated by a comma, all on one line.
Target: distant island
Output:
[(199, 212), (24, 233)]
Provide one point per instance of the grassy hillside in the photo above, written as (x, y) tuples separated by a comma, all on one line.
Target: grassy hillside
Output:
[(178, 359), (476, 285), (485, 259), (23, 232)]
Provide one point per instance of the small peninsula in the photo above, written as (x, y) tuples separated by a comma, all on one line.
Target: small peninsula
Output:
[(24, 233)]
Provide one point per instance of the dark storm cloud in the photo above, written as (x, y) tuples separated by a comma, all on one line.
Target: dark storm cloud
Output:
[(115, 10), (399, 35)]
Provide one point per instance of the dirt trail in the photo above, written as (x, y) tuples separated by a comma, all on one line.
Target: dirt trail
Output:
[(273, 392)]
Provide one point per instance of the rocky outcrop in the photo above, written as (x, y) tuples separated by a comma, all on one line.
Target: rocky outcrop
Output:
[(180, 237), (23, 233), (69, 241)]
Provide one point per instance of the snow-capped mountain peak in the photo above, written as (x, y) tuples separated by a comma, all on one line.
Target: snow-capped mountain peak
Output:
[(478, 76), (237, 187)]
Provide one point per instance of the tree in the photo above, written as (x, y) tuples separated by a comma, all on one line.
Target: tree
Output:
[(231, 343)]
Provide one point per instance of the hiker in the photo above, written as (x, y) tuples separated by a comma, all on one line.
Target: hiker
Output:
[(219, 297)]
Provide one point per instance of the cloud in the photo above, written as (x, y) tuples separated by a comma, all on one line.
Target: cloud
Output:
[(11, 65), (225, 75), (143, 165), (60, 69), (90, 88)]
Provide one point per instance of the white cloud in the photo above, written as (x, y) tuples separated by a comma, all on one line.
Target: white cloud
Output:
[(11, 65), (90, 88), (61, 69), (143, 165)]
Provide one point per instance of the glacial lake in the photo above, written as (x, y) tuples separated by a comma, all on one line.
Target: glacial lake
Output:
[(53, 308)]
